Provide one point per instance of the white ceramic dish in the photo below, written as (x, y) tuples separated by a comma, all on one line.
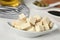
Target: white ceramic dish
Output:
[(57, 18), (31, 34), (50, 5)]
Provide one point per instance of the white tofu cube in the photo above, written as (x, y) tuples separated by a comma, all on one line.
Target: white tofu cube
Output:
[(42, 28), (46, 26), (39, 27), (22, 17), (51, 25), (32, 29), (38, 18), (17, 23), (46, 20), (32, 20), (25, 26), (18, 27), (28, 20)]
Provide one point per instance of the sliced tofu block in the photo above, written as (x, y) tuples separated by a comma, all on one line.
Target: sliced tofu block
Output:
[(40, 23), (32, 20), (46, 20), (17, 23), (23, 21), (51, 25), (39, 27), (22, 17), (28, 20), (42, 28), (46, 27), (18, 27), (32, 29), (25, 26), (38, 18)]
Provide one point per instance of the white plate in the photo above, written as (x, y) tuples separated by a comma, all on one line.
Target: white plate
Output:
[(31, 34), (7, 34), (27, 2)]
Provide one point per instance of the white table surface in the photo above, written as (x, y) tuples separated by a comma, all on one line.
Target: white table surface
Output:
[(6, 34)]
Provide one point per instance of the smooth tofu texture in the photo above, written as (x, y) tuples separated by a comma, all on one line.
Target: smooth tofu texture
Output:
[(22, 17), (46, 20), (38, 18), (46, 23), (39, 23), (51, 25), (32, 20), (39, 27), (46, 26), (42, 28), (17, 23), (32, 29), (28, 20), (18, 27), (25, 26)]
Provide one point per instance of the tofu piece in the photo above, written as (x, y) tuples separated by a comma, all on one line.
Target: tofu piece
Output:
[(25, 26), (22, 17), (38, 18), (46, 26), (51, 25), (39, 27), (32, 29), (28, 20), (18, 27), (42, 28), (32, 20), (46, 20), (40, 23), (17, 23)]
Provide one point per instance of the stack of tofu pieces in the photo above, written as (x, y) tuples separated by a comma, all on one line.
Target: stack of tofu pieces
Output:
[(33, 23)]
